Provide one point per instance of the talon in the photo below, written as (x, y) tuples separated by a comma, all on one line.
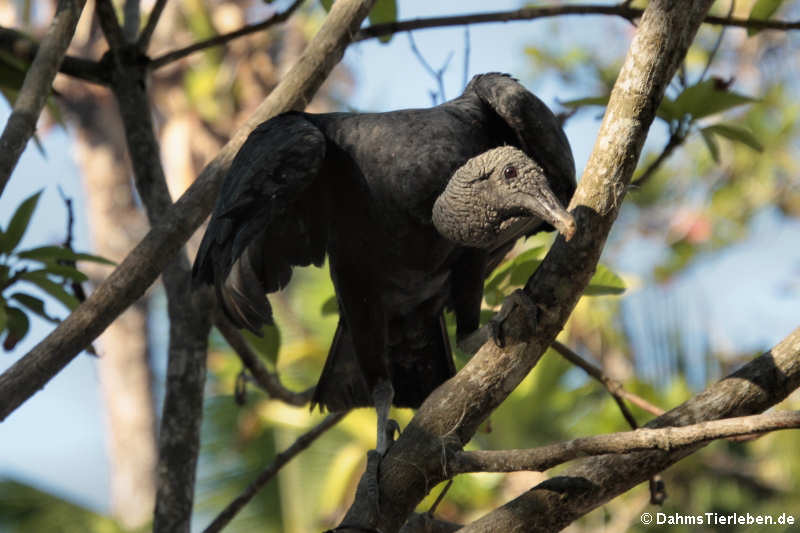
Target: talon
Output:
[(392, 429), (496, 331)]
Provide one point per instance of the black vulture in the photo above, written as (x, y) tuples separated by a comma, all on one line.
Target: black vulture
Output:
[(361, 188)]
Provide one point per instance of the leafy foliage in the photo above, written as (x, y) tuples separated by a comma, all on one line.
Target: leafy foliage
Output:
[(51, 269)]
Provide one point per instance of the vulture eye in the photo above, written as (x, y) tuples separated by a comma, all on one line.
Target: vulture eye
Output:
[(510, 172)]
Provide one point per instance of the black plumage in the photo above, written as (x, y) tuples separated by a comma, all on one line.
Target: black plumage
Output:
[(361, 189)]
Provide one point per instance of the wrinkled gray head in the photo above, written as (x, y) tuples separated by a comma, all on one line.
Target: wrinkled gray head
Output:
[(496, 197)]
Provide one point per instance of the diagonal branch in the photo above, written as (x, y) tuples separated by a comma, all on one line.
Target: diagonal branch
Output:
[(302, 442), (589, 483), (665, 439), (150, 27), (36, 86), (267, 380), (218, 40), (622, 10)]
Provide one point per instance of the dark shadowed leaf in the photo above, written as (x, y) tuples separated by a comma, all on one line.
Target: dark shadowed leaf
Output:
[(604, 281), (711, 144), (326, 4), (383, 11), (17, 325), (330, 306), (19, 223), (53, 253), (268, 344), (34, 305), (763, 10), (736, 134), (41, 280), (707, 98), (589, 100), (66, 272)]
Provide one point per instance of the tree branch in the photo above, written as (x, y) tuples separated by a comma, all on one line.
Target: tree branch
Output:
[(530, 13), (302, 442), (24, 48), (589, 483), (666, 439), (36, 86), (614, 387), (452, 413), (268, 381), (150, 27), (175, 55), (145, 262)]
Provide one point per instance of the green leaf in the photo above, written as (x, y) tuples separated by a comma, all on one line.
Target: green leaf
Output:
[(326, 4), (330, 306), (708, 98), (604, 281), (54, 253), (267, 344), (711, 144), (667, 110), (589, 100), (523, 270), (737, 134), (383, 11), (503, 272), (3, 315), (19, 223), (33, 304), (17, 326), (40, 279), (66, 272), (762, 10)]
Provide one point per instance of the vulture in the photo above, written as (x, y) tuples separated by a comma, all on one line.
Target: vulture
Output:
[(413, 209)]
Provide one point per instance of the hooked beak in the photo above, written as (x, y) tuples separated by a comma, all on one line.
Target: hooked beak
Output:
[(544, 205)]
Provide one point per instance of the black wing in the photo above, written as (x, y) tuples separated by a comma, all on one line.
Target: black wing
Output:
[(537, 130), (271, 214)]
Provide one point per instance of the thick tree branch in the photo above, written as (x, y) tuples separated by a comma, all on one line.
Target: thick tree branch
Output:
[(591, 482), (302, 442), (666, 439), (146, 261), (621, 10), (452, 413), (36, 86), (265, 379), (218, 40)]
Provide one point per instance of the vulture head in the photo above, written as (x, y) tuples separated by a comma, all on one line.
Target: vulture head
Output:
[(496, 197)]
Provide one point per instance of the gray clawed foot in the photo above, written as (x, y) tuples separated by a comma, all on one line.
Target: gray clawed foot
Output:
[(517, 298)]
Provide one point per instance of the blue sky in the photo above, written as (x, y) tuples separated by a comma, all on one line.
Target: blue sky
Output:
[(55, 440)]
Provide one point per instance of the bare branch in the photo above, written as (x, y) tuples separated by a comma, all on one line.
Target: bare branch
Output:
[(675, 140), (268, 381), (530, 13), (666, 439), (591, 482), (36, 86), (302, 442), (150, 27), (24, 48), (175, 55), (110, 25), (613, 386), (132, 18)]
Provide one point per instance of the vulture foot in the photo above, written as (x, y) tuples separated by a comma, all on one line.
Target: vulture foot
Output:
[(518, 298)]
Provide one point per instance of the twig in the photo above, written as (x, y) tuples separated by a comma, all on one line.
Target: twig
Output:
[(268, 381), (467, 49), (717, 44), (110, 25), (675, 140), (132, 17), (150, 26), (36, 86), (613, 386), (530, 13), (175, 55), (666, 439), (302, 442), (437, 75)]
